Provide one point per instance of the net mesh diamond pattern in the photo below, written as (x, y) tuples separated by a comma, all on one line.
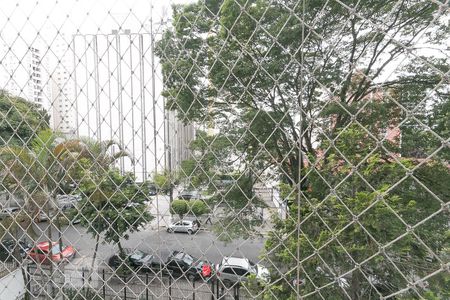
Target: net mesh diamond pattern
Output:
[(225, 149)]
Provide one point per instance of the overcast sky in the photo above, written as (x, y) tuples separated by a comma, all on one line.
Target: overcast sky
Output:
[(48, 17)]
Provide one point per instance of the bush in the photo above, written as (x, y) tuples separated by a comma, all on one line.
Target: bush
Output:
[(179, 207), (198, 207)]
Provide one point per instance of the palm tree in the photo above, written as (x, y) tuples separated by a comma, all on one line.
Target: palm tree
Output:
[(37, 175), (101, 156), (40, 173)]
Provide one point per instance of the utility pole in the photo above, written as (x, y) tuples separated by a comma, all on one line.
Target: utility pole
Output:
[(155, 132), (169, 154)]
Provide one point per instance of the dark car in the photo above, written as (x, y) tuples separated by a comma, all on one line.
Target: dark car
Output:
[(141, 261), (7, 249), (183, 264), (152, 189), (191, 195)]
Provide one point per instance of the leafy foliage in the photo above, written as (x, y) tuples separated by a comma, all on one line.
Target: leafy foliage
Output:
[(355, 237), (113, 207), (20, 120), (198, 207), (245, 65), (311, 95), (165, 180), (179, 207), (184, 207)]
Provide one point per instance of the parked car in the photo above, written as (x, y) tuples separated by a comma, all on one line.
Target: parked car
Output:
[(8, 212), (235, 269), (152, 189), (44, 217), (7, 249), (141, 261), (183, 264), (41, 252), (191, 195), (188, 226)]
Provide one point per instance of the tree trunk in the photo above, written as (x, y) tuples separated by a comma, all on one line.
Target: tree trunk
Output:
[(57, 225), (49, 236), (355, 285), (121, 251), (97, 239), (19, 261)]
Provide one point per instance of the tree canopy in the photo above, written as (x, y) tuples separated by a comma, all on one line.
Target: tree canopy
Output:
[(346, 105), (20, 120), (253, 66)]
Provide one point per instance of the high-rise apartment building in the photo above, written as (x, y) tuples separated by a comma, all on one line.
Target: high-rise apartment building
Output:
[(118, 97), (178, 137), (63, 102), (23, 73)]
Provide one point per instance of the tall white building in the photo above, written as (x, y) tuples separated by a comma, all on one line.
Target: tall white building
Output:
[(178, 137), (63, 100), (23, 73), (118, 96)]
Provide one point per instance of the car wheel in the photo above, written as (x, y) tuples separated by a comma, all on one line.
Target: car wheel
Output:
[(190, 231), (169, 230)]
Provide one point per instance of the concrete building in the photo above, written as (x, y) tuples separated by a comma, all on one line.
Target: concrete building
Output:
[(118, 97), (178, 137), (63, 101), (23, 73)]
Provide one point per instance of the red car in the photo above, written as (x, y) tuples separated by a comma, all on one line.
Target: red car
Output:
[(40, 253)]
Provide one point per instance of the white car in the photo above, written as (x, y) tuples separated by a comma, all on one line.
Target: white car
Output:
[(235, 269), (189, 226)]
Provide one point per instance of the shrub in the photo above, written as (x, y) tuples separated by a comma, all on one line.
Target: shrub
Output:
[(198, 207), (179, 207)]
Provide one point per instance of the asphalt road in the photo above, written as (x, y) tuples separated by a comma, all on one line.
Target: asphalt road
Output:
[(203, 244)]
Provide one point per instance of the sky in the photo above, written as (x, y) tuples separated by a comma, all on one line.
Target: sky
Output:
[(49, 18)]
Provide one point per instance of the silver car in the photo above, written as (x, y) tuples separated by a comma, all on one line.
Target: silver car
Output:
[(188, 226), (235, 269)]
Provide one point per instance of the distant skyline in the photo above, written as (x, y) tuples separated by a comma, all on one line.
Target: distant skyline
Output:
[(91, 75)]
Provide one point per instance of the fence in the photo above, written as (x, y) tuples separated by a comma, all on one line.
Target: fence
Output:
[(312, 137), (109, 285)]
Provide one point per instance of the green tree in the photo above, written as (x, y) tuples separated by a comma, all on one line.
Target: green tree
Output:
[(94, 162), (37, 175), (354, 238), (113, 206), (184, 207), (252, 67), (20, 120), (306, 92), (165, 180), (179, 207), (198, 207), (211, 154), (241, 210)]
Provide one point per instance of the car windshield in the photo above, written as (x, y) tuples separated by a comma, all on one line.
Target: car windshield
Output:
[(200, 264), (56, 249), (185, 257), (147, 258), (189, 260), (137, 255)]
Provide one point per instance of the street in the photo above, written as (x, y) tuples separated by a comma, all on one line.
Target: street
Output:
[(203, 244)]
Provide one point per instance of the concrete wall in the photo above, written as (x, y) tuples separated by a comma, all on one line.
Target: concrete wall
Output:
[(12, 285)]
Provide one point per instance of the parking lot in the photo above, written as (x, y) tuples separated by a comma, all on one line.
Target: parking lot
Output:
[(203, 244)]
